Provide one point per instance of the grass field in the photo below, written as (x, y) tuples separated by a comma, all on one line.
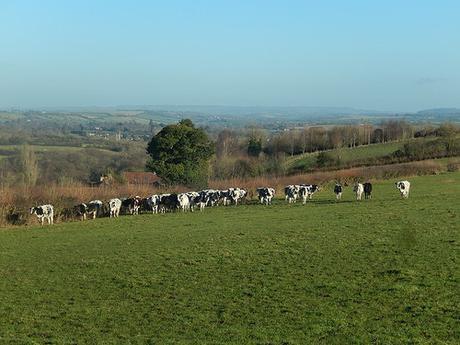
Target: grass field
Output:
[(378, 271)]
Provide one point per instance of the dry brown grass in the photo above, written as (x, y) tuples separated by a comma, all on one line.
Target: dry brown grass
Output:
[(15, 202), (344, 176)]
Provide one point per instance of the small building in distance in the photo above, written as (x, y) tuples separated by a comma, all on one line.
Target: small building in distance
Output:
[(144, 178)]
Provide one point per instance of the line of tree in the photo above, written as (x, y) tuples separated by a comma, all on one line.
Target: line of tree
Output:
[(311, 138)]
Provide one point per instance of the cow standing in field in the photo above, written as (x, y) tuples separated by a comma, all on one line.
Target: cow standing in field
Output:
[(94, 208), (404, 188), (307, 190), (81, 210), (225, 196), (192, 197), (114, 207), (153, 203), (291, 193), (169, 202), (367, 190), (184, 201), (201, 200), (266, 195), (359, 190), (338, 190), (44, 212), (132, 205), (213, 196), (237, 194)]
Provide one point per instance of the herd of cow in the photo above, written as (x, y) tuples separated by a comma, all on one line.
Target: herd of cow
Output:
[(190, 201)]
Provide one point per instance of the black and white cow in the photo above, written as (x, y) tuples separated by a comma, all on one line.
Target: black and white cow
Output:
[(225, 196), (132, 204), (201, 200), (338, 190), (213, 196), (359, 190), (291, 193), (114, 207), (404, 188), (153, 203), (169, 202), (266, 195), (43, 212), (306, 191), (94, 208), (81, 210), (367, 190), (237, 194)]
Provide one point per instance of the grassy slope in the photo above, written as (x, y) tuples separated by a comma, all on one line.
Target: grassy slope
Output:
[(348, 154), (382, 271)]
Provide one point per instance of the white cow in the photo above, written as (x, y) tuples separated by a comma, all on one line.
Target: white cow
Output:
[(404, 188), (43, 212), (184, 201), (114, 206), (359, 190)]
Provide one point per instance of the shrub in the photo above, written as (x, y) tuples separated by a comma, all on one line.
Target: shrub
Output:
[(453, 167), (324, 159)]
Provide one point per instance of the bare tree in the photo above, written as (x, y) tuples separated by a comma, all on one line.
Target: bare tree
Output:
[(29, 165)]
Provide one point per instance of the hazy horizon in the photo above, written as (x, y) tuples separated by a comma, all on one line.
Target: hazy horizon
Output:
[(392, 56)]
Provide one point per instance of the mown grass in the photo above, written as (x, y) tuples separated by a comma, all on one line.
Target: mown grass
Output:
[(378, 271)]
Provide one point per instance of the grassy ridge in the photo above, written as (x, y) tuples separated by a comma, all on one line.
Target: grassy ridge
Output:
[(383, 271), (347, 155)]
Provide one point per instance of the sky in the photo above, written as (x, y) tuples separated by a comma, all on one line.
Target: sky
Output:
[(392, 55)]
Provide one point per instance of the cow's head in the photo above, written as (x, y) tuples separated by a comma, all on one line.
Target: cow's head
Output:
[(36, 210), (399, 185)]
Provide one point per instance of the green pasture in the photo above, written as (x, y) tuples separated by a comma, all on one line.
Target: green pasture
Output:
[(380, 271)]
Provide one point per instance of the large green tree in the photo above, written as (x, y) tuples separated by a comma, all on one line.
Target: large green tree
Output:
[(180, 154)]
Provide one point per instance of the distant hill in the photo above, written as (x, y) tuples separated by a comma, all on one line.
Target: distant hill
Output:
[(141, 118), (251, 110), (440, 111)]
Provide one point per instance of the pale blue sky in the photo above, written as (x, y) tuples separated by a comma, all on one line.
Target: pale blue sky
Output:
[(401, 55)]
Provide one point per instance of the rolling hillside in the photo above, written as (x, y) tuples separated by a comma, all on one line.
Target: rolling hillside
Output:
[(347, 155)]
